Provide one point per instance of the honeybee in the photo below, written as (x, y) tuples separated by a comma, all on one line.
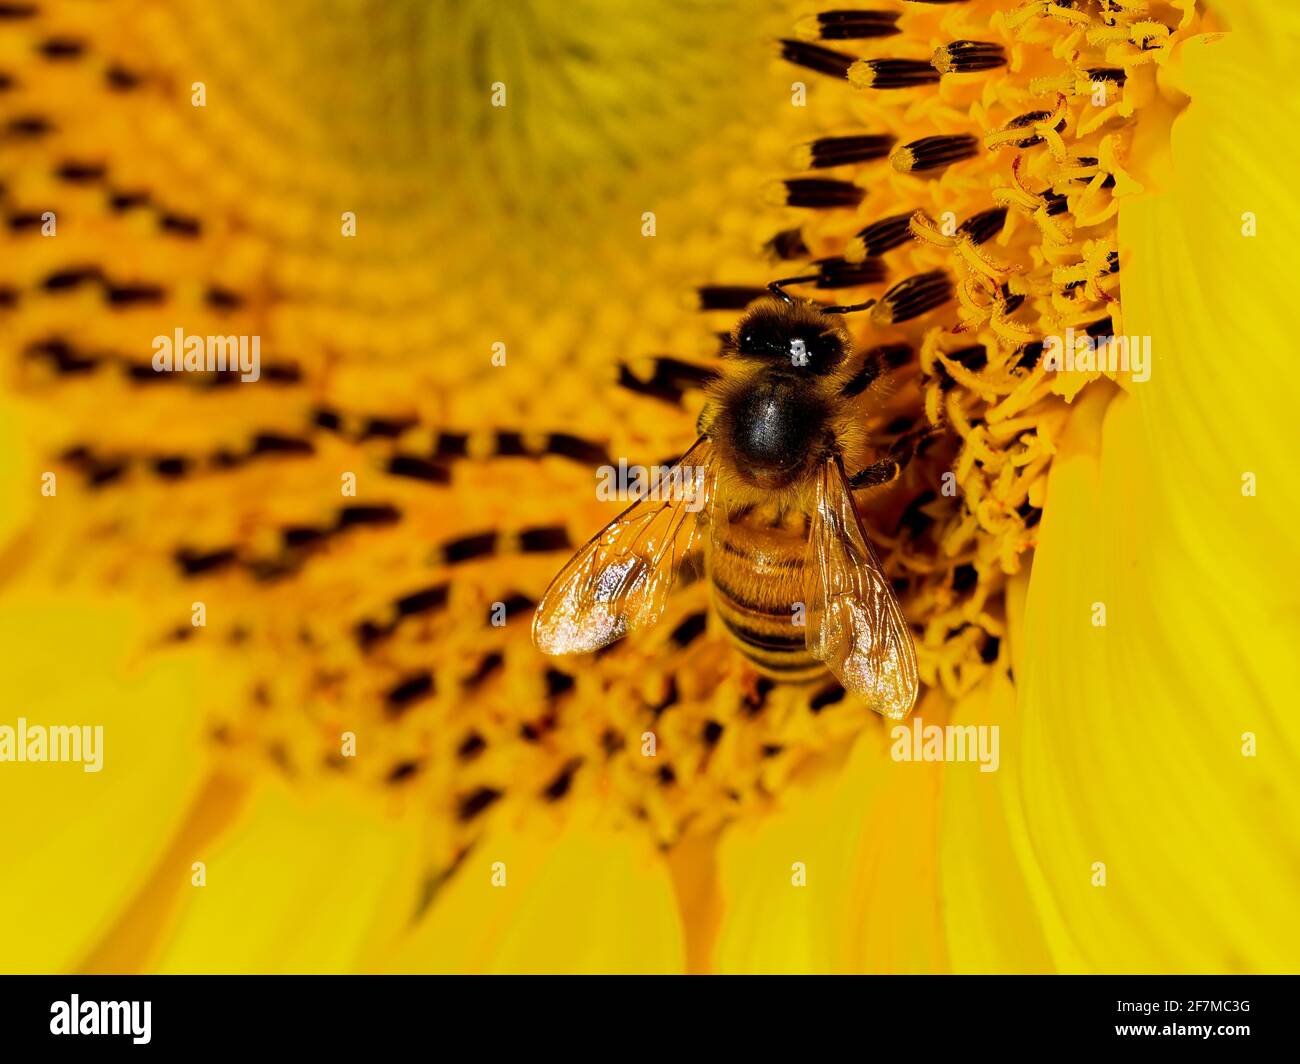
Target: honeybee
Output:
[(764, 498)]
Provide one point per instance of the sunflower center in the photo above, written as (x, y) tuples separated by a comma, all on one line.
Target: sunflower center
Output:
[(1008, 144), (959, 163), (970, 187)]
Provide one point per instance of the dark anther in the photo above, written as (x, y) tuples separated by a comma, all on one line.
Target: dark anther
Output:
[(815, 57)]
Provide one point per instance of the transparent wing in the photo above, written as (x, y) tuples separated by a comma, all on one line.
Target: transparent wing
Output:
[(619, 582), (854, 622)]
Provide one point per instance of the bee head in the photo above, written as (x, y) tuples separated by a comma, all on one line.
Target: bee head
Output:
[(797, 335), (771, 416)]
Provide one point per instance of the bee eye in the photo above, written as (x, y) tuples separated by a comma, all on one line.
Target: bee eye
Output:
[(801, 345), (826, 346), (822, 352), (760, 338)]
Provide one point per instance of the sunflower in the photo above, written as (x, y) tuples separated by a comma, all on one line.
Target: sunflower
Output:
[(487, 247)]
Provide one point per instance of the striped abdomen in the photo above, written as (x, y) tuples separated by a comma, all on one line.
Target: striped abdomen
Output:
[(757, 577)]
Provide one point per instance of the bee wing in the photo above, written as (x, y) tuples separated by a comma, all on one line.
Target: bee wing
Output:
[(854, 623), (619, 582)]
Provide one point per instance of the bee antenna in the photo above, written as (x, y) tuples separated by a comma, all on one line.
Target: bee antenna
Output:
[(849, 309), (777, 288)]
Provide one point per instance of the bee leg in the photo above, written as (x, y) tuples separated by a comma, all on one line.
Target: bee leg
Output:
[(885, 471), (873, 367), (889, 468), (877, 362)]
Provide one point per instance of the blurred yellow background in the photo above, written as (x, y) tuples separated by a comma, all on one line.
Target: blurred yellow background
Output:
[(276, 598)]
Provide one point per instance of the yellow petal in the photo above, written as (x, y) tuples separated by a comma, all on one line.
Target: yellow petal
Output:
[(296, 887), (1274, 29), (862, 841), (591, 900), (1163, 848), (78, 845), (991, 921), (1148, 824), (134, 942), (1137, 735)]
